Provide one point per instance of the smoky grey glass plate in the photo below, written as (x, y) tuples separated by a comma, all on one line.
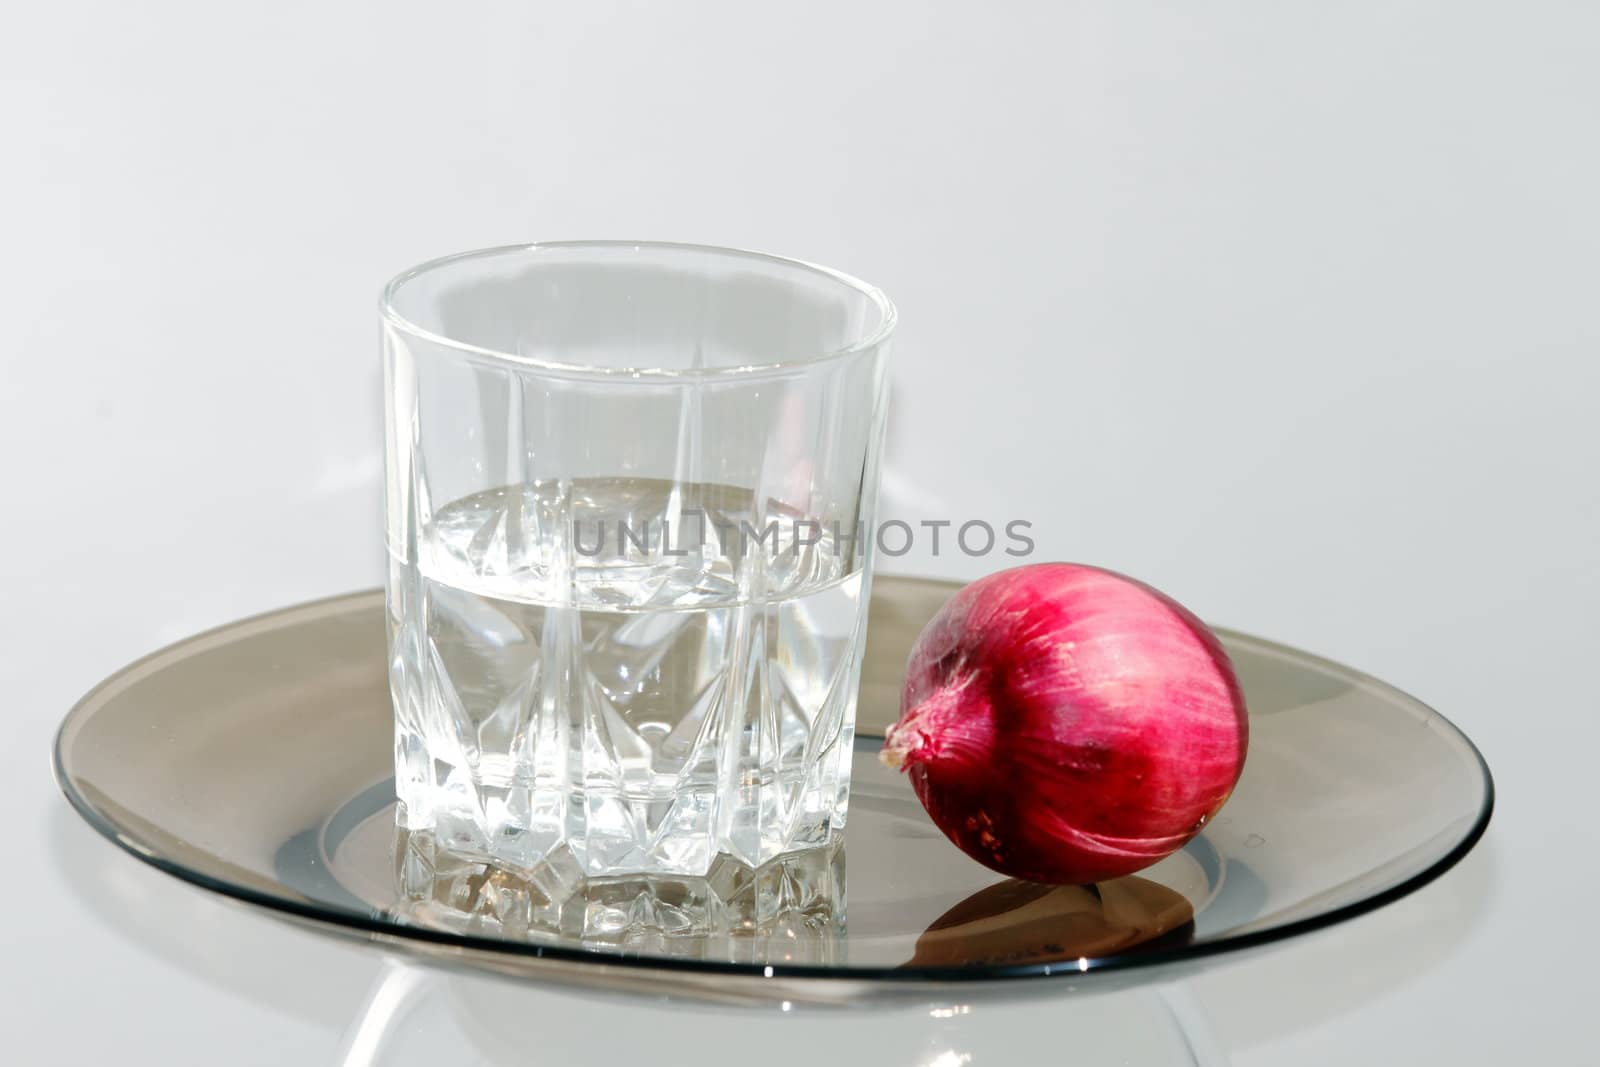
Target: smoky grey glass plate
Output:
[(255, 761)]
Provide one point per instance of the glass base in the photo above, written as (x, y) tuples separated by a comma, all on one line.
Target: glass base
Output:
[(791, 910)]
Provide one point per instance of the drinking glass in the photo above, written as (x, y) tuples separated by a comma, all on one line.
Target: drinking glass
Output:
[(630, 493)]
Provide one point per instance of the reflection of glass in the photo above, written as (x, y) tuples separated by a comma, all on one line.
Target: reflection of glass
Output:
[(791, 910), (630, 496), (416, 1017)]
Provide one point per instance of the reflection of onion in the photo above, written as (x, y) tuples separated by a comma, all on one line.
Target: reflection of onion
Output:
[(1065, 724), (1016, 922)]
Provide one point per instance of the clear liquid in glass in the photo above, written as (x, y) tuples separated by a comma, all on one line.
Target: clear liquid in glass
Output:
[(616, 702)]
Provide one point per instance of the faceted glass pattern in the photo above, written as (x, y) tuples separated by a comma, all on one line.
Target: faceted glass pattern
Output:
[(629, 496)]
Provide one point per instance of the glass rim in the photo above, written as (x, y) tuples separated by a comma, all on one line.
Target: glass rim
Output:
[(478, 353)]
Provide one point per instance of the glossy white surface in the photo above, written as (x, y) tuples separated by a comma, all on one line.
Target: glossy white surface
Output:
[(1288, 309)]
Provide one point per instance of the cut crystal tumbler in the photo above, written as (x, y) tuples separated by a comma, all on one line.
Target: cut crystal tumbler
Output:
[(630, 493)]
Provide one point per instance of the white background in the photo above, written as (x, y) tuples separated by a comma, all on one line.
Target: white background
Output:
[(1288, 308)]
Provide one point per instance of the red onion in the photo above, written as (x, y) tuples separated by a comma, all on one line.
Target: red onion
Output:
[(1066, 724)]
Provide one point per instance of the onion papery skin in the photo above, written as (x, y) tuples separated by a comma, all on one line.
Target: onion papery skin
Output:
[(1066, 724)]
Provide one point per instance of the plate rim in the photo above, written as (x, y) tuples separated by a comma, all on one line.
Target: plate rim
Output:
[(389, 931)]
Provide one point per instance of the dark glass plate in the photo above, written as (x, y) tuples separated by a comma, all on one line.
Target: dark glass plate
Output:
[(254, 761)]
